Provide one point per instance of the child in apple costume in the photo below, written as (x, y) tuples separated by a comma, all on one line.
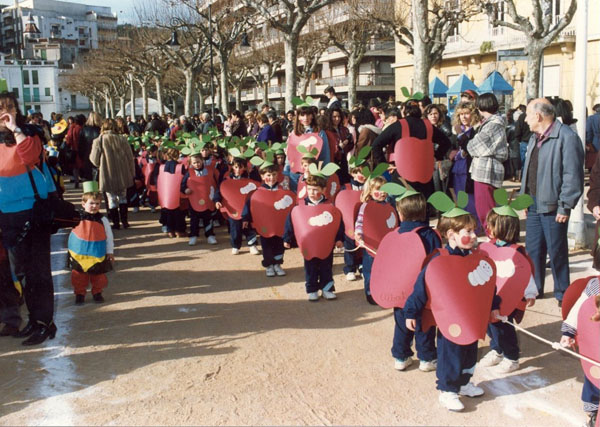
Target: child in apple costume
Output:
[(581, 327), (515, 283), (405, 251), (458, 284), (317, 227), (267, 209)]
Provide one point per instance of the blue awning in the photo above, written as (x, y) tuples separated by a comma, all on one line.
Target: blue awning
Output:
[(463, 83), (495, 83), (437, 88)]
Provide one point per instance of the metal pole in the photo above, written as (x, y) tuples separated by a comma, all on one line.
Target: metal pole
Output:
[(212, 69), (577, 220)]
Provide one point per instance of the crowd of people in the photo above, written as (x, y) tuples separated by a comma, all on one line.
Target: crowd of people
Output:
[(325, 180)]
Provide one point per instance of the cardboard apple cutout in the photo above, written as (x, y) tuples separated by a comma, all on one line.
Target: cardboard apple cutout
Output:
[(307, 140), (203, 191), (168, 186), (269, 210), (348, 202), (460, 291), (378, 220), (414, 157), (235, 192), (573, 293), (588, 340), (315, 228)]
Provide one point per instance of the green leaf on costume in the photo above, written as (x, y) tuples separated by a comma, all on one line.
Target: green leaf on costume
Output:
[(462, 199), (364, 152), (257, 161), (330, 169), (393, 189), (405, 92), (379, 169), (417, 96), (522, 202), (501, 196), (441, 201)]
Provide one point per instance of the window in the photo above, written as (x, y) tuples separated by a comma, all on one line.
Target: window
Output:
[(26, 95), (25, 77), (16, 91), (34, 77), (555, 10), (499, 10), (36, 94), (47, 91), (44, 54)]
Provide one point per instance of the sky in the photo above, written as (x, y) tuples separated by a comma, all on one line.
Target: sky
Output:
[(123, 8)]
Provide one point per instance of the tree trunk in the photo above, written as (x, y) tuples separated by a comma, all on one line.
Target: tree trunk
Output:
[(132, 97), (144, 99), (422, 60), (353, 69), (238, 98), (112, 107), (159, 99), (189, 88), (174, 102), (106, 106), (224, 86), (304, 82), (290, 43), (266, 91), (534, 64), (122, 105), (201, 100)]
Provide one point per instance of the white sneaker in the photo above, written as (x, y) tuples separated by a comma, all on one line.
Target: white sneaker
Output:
[(470, 390), (402, 364), (235, 251), (450, 401), (491, 359), (164, 229), (507, 366), (351, 277), (270, 271), (329, 295), (313, 296), (278, 270), (254, 250), (428, 365), (193, 241), (212, 240)]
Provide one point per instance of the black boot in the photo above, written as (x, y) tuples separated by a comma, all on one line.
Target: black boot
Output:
[(114, 217), (41, 333), (26, 331), (123, 214)]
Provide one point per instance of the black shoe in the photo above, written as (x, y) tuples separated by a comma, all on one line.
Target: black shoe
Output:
[(41, 333), (559, 303), (79, 299), (370, 300), (98, 298), (26, 331), (113, 215), (9, 331)]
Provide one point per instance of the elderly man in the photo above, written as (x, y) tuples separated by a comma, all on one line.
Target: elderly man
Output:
[(553, 176), (205, 125)]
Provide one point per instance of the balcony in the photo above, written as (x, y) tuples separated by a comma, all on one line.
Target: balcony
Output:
[(364, 80)]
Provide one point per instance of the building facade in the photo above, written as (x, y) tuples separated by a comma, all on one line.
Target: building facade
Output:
[(477, 48)]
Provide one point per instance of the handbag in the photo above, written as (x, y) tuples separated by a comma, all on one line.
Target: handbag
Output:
[(51, 213)]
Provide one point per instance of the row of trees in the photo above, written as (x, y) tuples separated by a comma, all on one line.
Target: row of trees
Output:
[(140, 58)]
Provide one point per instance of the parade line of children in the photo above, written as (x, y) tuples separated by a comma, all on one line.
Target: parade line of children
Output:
[(449, 296)]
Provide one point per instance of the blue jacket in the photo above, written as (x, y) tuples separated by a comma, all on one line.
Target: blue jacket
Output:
[(592, 131), (416, 301), (560, 170), (430, 239)]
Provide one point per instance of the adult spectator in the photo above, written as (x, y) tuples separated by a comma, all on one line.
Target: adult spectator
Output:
[(489, 150), (523, 135), (264, 109), (26, 240), (469, 95), (238, 127), (72, 141), (157, 125), (276, 126), (111, 154), (37, 119), (134, 128), (592, 136), (433, 113), (122, 128), (251, 123), (416, 129), (364, 122), (206, 124), (553, 176), (594, 207), (289, 122), (423, 104), (265, 133), (334, 101), (392, 115), (90, 131), (344, 141)]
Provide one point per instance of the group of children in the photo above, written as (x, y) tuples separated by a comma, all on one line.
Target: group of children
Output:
[(320, 218)]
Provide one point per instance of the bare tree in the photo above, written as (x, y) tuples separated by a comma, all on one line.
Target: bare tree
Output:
[(289, 17), (540, 29), (310, 49), (423, 27), (265, 59), (238, 72)]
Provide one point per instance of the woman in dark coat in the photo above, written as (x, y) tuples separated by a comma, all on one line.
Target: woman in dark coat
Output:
[(90, 131)]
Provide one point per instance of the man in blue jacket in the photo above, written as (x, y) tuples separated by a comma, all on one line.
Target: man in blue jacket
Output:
[(592, 129), (553, 176)]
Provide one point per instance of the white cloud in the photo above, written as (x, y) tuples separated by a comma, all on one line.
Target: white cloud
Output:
[(284, 203), (481, 275), (248, 188), (321, 220), (505, 269), (311, 140), (391, 221), (333, 189)]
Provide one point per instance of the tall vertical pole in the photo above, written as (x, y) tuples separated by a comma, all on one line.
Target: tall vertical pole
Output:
[(577, 221), (212, 69)]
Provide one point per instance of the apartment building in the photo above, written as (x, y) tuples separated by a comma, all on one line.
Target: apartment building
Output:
[(477, 48)]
